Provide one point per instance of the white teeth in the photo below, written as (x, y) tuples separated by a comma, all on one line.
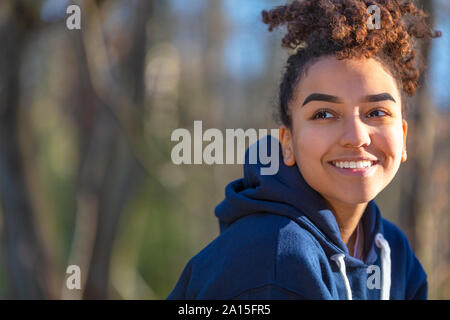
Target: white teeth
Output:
[(353, 164)]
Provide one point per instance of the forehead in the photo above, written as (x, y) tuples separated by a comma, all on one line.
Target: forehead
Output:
[(349, 79)]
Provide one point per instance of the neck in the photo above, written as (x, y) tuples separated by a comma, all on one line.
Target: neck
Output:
[(347, 216)]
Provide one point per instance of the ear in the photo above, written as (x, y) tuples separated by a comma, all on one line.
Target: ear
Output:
[(285, 137), (405, 132)]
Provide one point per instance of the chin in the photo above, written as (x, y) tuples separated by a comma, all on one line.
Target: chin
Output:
[(357, 197)]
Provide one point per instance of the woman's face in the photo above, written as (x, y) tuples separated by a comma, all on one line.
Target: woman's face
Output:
[(348, 137)]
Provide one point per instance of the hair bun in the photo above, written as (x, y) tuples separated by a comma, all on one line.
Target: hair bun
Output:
[(340, 27)]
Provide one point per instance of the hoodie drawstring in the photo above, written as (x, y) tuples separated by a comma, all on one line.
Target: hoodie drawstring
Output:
[(385, 266), (339, 259)]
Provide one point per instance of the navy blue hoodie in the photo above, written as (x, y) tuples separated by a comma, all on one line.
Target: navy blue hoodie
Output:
[(279, 240)]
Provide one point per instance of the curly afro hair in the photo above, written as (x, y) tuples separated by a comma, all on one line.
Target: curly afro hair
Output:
[(316, 28)]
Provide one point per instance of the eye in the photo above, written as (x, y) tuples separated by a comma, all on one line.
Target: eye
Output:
[(322, 114), (377, 113)]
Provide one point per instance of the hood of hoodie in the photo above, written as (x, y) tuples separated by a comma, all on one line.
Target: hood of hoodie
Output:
[(286, 193)]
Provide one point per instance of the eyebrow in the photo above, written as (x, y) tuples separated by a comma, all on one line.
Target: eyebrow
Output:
[(333, 99)]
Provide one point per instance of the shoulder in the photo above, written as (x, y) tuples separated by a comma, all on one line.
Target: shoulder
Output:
[(282, 234), (405, 264), (398, 242), (248, 245), (393, 234), (291, 253), (396, 238), (254, 251), (261, 238)]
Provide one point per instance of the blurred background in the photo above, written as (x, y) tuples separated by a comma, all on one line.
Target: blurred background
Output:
[(86, 117)]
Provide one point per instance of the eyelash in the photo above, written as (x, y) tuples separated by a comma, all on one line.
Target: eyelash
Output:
[(314, 117)]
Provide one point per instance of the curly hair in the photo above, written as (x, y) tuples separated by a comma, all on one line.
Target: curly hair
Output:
[(316, 28)]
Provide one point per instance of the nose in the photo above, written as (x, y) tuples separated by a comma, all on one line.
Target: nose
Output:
[(355, 133)]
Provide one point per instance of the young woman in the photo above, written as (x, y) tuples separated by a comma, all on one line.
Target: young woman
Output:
[(313, 230)]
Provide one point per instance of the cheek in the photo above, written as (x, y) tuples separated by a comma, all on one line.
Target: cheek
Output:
[(390, 142), (311, 145)]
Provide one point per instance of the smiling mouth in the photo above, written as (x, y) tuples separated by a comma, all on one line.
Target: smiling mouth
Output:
[(361, 164)]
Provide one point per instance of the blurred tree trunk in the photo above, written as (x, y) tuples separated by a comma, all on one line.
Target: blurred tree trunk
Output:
[(28, 267), (109, 170), (417, 213)]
